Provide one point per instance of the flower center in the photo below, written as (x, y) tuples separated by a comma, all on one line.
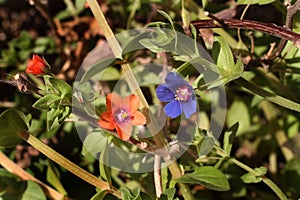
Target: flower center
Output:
[(183, 93), (121, 116)]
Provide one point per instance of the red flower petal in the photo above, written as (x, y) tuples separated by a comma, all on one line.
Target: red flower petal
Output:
[(36, 65), (124, 132), (134, 103), (106, 121), (113, 101), (138, 118), (129, 105)]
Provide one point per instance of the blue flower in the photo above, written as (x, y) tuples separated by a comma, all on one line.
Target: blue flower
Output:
[(179, 94)]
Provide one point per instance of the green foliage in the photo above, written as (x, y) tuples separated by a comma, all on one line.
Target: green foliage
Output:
[(57, 101), (13, 123), (21, 48), (209, 177), (255, 176), (262, 119)]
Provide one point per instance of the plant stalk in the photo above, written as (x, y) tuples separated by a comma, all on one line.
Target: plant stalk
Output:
[(67, 164)]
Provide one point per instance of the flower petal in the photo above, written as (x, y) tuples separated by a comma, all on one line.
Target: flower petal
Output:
[(138, 118), (175, 80), (173, 109), (106, 121), (134, 102), (113, 102), (124, 131), (36, 65), (189, 107), (164, 93)]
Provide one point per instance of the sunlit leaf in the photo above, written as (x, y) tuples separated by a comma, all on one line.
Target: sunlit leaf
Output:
[(210, 177)]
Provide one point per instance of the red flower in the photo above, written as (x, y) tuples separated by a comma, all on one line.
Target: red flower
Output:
[(122, 114), (36, 65)]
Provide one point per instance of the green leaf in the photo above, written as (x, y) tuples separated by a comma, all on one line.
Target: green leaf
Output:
[(168, 194), (110, 74), (229, 137), (53, 178), (10, 185), (128, 194), (44, 102), (254, 177), (206, 145), (167, 16), (105, 171), (96, 69), (224, 58), (33, 191), (99, 195), (222, 55), (94, 143), (210, 177), (63, 88), (12, 123)]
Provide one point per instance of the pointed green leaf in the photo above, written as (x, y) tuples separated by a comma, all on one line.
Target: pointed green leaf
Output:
[(12, 123), (53, 178), (99, 195), (256, 176), (205, 146), (229, 137), (44, 102), (60, 86), (166, 15), (128, 194), (105, 171), (33, 191), (210, 177), (223, 56)]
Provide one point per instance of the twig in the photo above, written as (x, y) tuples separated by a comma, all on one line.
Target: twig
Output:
[(157, 175), (291, 11), (269, 28), (15, 169)]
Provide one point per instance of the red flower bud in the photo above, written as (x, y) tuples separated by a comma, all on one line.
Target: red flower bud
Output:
[(36, 66)]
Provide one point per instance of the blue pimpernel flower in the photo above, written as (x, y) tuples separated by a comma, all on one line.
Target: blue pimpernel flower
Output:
[(179, 94)]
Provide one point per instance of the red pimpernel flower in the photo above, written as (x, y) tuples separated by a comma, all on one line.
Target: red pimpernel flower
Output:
[(36, 66), (122, 114)]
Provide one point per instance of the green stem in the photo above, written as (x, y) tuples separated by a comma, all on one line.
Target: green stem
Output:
[(135, 88), (268, 95), (67, 164), (266, 180)]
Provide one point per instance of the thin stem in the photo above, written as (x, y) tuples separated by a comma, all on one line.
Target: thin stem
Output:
[(266, 180), (279, 100), (272, 29), (157, 176), (291, 11), (67, 164)]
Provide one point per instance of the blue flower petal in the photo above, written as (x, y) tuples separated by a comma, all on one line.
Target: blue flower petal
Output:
[(175, 81), (164, 93), (173, 109), (189, 107)]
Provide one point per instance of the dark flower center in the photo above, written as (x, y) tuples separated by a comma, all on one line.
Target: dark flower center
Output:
[(121, 116), (183, 93)]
